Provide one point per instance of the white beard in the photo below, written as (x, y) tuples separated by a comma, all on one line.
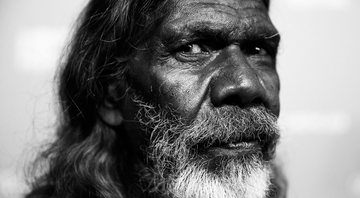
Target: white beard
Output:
[(180, 172), (241, 181)]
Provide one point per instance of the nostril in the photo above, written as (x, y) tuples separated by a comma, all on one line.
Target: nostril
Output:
[(241, 96), (236, 100)]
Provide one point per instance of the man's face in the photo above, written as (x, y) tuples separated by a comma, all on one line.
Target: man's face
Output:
[(209, 75)]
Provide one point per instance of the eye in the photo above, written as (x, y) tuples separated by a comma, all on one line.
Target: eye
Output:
[(258, 49), (193, 48)]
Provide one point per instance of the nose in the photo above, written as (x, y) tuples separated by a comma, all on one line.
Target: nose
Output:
[(238, 82)]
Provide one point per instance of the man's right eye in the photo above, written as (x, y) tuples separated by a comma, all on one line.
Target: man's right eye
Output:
[(194, 49)]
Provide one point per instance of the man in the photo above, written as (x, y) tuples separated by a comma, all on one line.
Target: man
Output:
[(167, 98)]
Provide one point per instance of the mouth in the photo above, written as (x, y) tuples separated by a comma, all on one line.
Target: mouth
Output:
[(261, 145), (238, 149)]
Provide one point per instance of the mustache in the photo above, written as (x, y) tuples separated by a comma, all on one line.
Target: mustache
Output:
[(174, 137), (231, 124)]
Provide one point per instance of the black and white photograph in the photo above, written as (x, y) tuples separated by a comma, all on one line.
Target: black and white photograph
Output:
[(179, 99)]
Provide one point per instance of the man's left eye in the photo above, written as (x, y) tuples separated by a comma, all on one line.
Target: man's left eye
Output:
[(257, 49)]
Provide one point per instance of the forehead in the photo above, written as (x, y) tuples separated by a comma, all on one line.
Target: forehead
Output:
[(233, 6), (218, 14)]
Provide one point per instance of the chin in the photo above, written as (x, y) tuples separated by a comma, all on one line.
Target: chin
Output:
[(243, 176)]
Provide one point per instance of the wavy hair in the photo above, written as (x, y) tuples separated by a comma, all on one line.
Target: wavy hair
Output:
[(84, 159), (87, 157)]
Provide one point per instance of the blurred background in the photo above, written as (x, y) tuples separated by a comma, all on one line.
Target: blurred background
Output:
[(319, 65)]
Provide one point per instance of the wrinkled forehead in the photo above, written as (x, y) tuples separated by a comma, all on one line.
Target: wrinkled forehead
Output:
[(219, 14), (234, 7), (230, 3)]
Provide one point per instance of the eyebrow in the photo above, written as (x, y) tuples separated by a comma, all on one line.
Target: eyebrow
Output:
[(222, 33)]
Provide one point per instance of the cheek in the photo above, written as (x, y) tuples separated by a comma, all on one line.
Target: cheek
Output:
[(182, 90), (271, 82), (168, 84)]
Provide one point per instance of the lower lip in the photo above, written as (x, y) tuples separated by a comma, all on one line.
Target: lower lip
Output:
[(239, 149), (241, 145)]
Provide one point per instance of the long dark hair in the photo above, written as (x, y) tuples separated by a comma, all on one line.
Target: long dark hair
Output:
[(87, 157), (84, 159)]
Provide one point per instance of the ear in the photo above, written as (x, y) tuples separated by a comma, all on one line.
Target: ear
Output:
[(109, 110), (110, 114)]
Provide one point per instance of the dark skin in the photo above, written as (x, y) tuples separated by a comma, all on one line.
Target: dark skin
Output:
[(211, 55), (207, 54)]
